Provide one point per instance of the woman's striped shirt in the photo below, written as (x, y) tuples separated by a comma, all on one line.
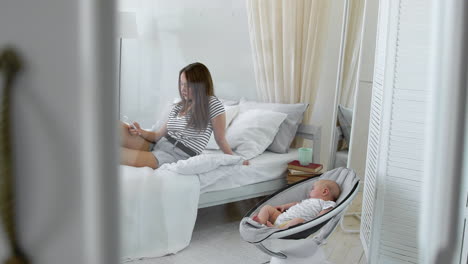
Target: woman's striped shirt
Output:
[(191, 137)]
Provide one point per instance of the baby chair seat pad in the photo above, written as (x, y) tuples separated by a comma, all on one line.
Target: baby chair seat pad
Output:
[(254, 232)]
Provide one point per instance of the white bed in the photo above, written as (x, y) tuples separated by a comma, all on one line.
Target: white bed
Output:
[(159, 207), (266, 174)]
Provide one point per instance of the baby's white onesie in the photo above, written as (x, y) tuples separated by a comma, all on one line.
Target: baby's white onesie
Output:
[(307, 209)]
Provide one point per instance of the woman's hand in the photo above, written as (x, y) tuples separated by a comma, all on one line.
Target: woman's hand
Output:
[(135, 129)]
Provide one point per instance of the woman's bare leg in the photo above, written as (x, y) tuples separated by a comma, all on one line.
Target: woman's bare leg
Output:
[(129, 141), (138, 158)]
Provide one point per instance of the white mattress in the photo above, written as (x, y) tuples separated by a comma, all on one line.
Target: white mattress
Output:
[(267, 166)]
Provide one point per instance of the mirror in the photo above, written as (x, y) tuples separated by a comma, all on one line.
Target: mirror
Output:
[(362, 102), (352, 105), (228, 38)]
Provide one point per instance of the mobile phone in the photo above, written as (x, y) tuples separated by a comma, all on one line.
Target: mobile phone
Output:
[(133, 126), (128, 121)]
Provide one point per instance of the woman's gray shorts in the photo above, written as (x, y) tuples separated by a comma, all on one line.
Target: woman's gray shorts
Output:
[(166, 152)]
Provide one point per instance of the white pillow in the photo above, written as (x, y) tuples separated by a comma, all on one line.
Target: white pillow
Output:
[(231, 113), (252, 131), (228, 101), (288, 129)]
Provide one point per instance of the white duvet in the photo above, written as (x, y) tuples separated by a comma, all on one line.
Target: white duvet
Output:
[(159, 207)]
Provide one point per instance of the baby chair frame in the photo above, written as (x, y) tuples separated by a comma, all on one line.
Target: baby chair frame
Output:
[(304, 230)]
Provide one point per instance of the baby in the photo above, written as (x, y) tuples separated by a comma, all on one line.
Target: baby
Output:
[(322, 199)]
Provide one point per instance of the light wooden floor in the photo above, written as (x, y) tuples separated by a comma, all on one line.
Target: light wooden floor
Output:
[(344, 247)]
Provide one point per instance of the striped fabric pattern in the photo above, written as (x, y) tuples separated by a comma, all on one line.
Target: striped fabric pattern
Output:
[(190, 137)]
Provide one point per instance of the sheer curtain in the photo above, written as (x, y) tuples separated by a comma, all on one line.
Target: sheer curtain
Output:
[(287, 38)]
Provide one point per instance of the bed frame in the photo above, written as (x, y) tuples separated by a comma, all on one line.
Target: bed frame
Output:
[(308, 132)]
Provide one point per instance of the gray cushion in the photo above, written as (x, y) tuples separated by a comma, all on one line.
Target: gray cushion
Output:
[(288, 128), (345, 119)]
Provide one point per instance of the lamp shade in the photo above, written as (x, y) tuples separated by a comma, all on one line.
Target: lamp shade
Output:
[(127, 25)]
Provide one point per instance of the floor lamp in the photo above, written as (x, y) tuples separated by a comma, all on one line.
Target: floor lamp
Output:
[(127, 30)]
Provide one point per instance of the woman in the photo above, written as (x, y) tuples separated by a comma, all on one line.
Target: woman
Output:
[(188, 129)]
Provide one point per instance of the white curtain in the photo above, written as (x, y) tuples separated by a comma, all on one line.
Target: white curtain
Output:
[(287, 38), (351, 53)]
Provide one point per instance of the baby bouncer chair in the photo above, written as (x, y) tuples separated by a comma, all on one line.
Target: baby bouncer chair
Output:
[(296, 245)]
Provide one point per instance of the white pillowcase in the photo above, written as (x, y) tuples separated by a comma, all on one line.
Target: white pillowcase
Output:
[(231, 113), (252, 131), (287, 130), (226, 102)]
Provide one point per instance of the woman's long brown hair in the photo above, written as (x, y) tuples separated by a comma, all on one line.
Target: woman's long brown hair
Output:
[(200, 82)]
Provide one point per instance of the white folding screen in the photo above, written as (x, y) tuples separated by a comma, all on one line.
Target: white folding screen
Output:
[(391, 200), (374, 130)]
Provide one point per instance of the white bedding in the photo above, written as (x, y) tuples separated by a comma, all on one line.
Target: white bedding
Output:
[(159, 207), (268, 166)]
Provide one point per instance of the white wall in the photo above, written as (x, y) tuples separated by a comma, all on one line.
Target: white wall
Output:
[(59, 209), (174, 34)]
